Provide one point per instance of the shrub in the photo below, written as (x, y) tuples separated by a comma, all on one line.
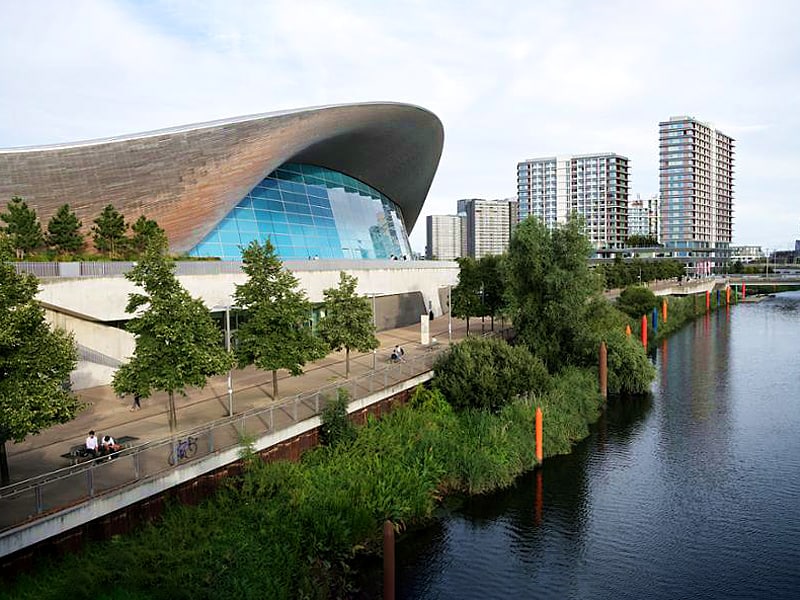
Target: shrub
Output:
[(336, 426), (629, 369), (636, 301), (488, 374)]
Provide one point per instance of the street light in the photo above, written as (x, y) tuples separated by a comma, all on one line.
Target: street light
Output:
[(227, 309)]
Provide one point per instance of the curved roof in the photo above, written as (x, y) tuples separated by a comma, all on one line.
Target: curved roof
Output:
[(188, 178)]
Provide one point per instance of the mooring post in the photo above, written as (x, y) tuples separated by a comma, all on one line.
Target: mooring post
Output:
[(603, 370), (644, 331), (744, 290), (708, 300), (388, 560), (664, 309), (539, 453), (727, 294), (655, 320), (627, 330)]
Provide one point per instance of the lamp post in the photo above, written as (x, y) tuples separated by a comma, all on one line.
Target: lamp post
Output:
[(375, 324), (228, 349), (450, 315)]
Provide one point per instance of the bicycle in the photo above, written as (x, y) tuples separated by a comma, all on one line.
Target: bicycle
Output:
[(184, 449)]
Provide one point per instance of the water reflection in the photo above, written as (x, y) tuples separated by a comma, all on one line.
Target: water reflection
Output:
[(691, 492)]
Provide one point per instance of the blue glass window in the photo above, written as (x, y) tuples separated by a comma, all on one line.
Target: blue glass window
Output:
[(310, 211)]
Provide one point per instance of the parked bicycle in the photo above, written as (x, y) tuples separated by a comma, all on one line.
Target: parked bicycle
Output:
[(184, 449)]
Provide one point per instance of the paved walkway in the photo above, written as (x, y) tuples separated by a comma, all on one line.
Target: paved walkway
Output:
[(108, 414)]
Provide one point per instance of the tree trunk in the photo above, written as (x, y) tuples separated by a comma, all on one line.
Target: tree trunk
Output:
[(173, 415), (347, 363), (492, 322), (274, 385), (467, 324), (5, 478)]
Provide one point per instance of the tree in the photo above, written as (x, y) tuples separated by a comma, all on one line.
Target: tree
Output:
[(492, 278), (63, 231), (276, 334), (108, 232), (641, 241), (146, 232), (348, 321), (177, 342), (488, 373), (550, 284), (466, 295), (636, 301), (35, 362), (22, 227)]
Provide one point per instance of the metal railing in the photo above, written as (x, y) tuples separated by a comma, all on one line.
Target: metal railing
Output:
[(27, 500)]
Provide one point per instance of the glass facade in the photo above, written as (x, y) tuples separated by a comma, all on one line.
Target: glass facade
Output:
[(311, 212)]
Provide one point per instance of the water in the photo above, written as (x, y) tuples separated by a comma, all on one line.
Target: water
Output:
[(693, 492)]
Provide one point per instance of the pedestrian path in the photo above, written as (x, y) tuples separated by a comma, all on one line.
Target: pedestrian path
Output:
[(108, 414)]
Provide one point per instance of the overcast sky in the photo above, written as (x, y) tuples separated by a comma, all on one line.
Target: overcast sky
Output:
[(509, 80)]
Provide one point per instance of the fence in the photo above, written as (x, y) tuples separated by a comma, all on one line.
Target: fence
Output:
[(27, 500)]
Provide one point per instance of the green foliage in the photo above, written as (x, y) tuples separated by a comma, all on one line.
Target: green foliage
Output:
[(276, 334), (108, 232), (63, 231), (22, 227), (636, 301), (177, 342), (493, 286), (488, 374), (35, 361), (550, 285), (642, 241), (465, 296), (146, 232), (336, 426), (629, 369), (636, 271), (348, 321)]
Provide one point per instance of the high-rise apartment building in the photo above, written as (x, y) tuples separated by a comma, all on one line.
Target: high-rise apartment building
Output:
[(696, 188), (444, 237), (644, 217), (489, 224), (593, 185)]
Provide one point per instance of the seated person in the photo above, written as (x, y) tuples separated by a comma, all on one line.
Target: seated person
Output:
[(108, 446), (395, 356), (92, 445)]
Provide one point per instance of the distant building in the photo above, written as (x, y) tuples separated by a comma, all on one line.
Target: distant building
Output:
[(746, 254), (593, 185), (444, 237), (696, 189), (643, 217), (489, 224)]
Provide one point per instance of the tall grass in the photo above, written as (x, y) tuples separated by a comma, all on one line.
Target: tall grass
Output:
[(288, 530)]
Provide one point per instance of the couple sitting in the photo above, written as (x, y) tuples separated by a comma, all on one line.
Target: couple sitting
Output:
[(95, 447), (397, 354)]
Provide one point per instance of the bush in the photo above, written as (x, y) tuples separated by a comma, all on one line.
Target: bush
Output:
[(629, 369), (488, 373), (336, 426), (636, 301)]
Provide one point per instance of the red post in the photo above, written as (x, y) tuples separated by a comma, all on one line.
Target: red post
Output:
[(744, 290), (603, 370), (664, 309), (644, 331), (388, 560), (708, 300), (539, 453), (727, 294)]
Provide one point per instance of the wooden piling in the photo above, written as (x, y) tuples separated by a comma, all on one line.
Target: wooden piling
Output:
[(388, 560)]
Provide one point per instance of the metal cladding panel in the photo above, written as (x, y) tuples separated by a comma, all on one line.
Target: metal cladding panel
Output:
[(188, 178)]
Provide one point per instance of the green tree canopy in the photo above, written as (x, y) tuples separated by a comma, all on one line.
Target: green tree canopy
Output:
[(177, 342), (35, 362), (108, 232), (466, 295), (22, 227), (488, 373), (146, 232), (550, 284), (348, 321), (642, 241), (276, 334), (493, 285), (636, 301), (63, 231)]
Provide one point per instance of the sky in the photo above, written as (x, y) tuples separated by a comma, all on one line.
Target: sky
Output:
[(509, 80)]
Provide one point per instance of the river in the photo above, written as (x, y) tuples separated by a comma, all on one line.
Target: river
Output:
[(691, 492)]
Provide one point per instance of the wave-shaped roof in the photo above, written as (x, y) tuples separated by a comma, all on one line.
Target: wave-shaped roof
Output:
[(188, 178)]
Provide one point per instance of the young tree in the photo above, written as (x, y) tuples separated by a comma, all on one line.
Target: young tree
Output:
[(276, 334), (348, 321), (550, 284), (108, 232), (22, 226), (493, 284), (35, 362), (63, 231), (466, 296), (146, 232), (177, 342)]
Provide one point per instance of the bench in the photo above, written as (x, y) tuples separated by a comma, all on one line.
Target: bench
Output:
[(78, 452)]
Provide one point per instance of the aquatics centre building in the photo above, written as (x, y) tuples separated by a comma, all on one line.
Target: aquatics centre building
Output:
[(333, 182)]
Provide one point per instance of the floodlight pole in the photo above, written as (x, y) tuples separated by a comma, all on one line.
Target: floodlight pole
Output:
[(228, 349)]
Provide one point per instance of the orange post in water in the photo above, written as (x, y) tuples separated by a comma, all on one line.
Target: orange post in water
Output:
[(539, 454), (628, 330), (727, 294), (664, 310), (744, 291), (644, 331), (708, 300)]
